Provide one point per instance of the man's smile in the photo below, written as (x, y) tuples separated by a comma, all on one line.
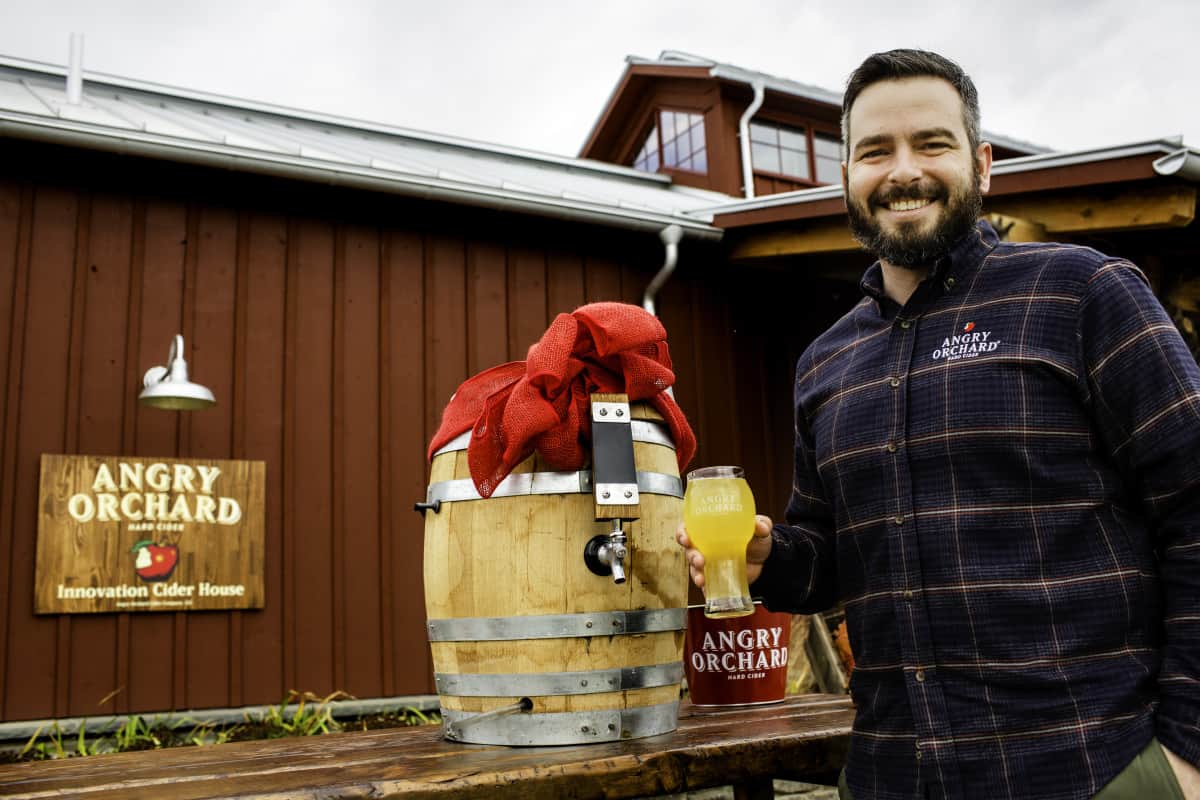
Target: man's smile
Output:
[(908, 205)]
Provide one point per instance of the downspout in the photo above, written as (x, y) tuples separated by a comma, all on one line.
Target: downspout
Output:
[(759, 87), (670, 236)]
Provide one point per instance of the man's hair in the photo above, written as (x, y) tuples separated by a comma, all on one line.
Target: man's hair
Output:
[(897, 64)]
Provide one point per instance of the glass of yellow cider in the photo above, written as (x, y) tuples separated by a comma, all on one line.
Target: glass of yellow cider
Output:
[(718, 510)]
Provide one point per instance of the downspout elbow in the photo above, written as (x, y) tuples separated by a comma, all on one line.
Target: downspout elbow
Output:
[(670, 235)]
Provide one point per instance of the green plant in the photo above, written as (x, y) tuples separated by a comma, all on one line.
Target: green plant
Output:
[(55, 745), (311, 717), (203, 734), (135, 734), (404, 717)]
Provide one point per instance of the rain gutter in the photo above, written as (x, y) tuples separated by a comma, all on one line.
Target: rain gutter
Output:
[(73, 134), (1183, 163)]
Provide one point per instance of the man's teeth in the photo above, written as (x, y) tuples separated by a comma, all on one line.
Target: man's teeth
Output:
[(908, 205)]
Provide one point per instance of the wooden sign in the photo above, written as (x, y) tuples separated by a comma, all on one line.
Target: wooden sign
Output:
[(149, 534)]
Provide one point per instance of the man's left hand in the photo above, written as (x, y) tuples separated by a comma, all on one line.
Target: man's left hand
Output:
[(1187, 775)]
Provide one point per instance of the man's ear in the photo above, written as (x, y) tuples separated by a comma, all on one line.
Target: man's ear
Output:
[(983, 165)]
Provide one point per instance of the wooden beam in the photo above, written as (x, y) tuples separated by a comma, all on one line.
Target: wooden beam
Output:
[(1165, 206), (821, 236), (1013, 229), (1021, 218)]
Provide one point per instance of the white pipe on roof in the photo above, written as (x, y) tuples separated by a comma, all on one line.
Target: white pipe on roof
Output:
[(66, 132), (760, 91), (75, 70)]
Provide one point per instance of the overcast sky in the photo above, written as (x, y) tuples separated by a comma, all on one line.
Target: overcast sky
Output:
[(1067, 74)]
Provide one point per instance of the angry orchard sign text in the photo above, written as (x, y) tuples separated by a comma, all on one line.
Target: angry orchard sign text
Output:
[(137, 534)]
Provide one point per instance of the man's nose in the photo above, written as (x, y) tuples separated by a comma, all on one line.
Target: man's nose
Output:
[(905, 166)]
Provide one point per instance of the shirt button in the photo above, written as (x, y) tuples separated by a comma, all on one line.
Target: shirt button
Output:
[(894, 383), (950, 283), (898, 520), (908, 594), (891, 447), (920, 676), (918, 751), (906, 323)]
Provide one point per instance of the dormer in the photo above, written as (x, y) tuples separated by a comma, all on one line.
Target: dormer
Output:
[(679, 115)]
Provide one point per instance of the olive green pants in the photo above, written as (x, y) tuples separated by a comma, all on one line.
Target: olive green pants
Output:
[(1148, 777)]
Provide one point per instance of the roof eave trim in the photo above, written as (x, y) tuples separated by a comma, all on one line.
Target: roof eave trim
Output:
[(284, 166), (1177, 166)]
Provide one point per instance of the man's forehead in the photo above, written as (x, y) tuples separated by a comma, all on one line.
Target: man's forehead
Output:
[(901, 106)]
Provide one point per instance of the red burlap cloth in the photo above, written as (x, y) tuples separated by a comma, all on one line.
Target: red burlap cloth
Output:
[(542, 403)]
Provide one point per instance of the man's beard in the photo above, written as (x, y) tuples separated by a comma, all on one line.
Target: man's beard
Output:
[(907, 246)]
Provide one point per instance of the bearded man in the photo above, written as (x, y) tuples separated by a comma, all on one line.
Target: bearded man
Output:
[(997, 472)]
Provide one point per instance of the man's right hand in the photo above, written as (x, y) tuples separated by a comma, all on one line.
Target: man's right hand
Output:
[(756, 551)]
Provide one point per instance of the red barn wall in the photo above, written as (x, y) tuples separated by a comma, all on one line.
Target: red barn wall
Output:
[(332, 326)]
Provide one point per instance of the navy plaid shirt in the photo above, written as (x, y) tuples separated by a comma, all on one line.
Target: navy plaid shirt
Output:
[(1001, 482)]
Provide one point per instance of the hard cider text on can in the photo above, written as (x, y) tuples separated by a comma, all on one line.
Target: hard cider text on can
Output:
[(742, 661)]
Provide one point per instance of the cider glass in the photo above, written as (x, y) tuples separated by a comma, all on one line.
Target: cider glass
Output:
[(718, 510)]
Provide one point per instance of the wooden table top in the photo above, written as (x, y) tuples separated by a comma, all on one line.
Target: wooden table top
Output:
[(804, 737)]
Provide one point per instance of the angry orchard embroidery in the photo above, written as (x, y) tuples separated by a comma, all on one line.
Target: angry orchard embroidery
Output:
[(967, 344)]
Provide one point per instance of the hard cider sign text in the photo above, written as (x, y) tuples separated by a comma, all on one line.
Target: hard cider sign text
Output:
[(134, 534)]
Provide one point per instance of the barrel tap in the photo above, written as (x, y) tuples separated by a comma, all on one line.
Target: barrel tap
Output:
[(605, 554)]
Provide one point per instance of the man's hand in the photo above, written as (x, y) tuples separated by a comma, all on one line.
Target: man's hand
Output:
[(756, 551), (1187, 775)]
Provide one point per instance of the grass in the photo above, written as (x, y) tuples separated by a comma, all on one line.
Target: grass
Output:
[(312, 716)]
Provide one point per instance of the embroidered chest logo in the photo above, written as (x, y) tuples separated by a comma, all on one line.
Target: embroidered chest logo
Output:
[(967, 344)]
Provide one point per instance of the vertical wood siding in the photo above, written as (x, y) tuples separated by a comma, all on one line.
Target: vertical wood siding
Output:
[(332, 327)]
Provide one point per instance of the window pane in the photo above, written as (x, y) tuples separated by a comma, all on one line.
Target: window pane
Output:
[(828, 146), (647, 157), (795, 140), (700, 161), (829, 170), (670, 156), (766, 134), (668, 125), (764, 157), (794, 164)]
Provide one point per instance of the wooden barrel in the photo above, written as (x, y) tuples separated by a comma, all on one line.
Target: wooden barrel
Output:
[(530, 647)]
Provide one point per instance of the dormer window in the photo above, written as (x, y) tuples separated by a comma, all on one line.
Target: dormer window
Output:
[(796, 153), (676, 141)]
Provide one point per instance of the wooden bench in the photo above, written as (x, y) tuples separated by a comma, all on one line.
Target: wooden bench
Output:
[(803, 738)]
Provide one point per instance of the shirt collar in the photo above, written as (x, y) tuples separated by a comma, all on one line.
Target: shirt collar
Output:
[(963, 258)]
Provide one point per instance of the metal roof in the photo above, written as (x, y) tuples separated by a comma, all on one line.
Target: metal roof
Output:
[(1177, 159), (136, 117), (732, 72)]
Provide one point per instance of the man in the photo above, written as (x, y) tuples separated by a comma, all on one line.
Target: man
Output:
[(997, 471)]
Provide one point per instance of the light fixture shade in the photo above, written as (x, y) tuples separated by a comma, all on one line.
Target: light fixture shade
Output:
[(169, 388)]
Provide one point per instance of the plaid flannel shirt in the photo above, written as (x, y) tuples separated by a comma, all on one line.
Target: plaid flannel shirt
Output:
[(1001, 482)]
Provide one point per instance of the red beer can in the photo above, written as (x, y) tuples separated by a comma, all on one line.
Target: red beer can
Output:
[(737, 661)]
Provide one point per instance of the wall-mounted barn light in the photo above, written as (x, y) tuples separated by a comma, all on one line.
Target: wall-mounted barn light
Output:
[(168, 387)]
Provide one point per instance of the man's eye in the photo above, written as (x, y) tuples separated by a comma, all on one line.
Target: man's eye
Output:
[(873, 154), (936, 145)]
